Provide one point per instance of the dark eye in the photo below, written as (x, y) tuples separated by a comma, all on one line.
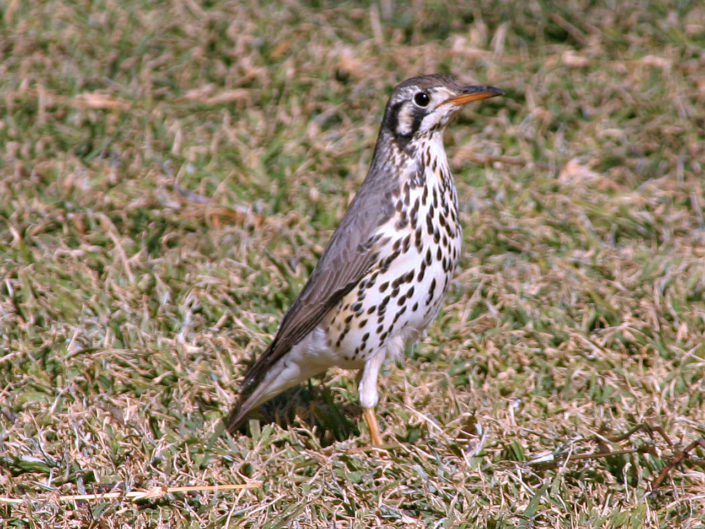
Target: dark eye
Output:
[(421, 99)]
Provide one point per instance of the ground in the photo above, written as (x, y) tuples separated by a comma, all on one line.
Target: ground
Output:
[(171, 172)]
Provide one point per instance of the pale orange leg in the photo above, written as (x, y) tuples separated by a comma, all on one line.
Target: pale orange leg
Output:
[(373, 425)]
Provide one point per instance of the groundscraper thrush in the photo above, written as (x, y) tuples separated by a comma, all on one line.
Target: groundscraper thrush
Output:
[(384, 273)]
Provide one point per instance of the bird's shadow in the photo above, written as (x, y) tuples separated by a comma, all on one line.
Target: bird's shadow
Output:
[(313, 407)]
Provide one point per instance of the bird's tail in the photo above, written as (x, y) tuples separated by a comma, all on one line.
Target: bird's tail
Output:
[(235, 418), (249, 399), (285, 373)]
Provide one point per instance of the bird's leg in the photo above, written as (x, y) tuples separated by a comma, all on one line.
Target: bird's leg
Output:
[(369, 396), (373, 425)]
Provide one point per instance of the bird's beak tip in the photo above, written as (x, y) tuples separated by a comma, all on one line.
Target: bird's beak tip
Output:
[(475, 93)]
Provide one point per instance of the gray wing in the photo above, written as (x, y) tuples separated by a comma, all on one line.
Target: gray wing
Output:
[(350, 253)]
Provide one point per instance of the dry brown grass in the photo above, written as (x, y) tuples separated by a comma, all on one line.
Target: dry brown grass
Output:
[(170, 173)]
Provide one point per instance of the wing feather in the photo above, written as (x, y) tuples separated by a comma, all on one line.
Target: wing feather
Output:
[(350, 253)]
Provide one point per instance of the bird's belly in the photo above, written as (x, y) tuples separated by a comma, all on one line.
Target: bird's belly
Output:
[(391, 308)]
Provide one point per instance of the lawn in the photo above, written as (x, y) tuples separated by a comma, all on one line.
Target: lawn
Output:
[(170, 173)]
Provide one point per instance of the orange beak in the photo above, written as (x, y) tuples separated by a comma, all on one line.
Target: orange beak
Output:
[(473, 93)]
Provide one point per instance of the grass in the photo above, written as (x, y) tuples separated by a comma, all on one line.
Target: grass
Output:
[(171, 172)]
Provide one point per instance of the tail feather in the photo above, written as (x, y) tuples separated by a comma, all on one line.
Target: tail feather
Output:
[(250, 398), (285, 373), (236, 417)]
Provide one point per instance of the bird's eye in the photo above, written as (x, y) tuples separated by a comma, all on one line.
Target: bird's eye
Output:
[(422, 99)]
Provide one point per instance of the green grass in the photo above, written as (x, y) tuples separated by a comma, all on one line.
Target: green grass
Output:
[(170, 173)]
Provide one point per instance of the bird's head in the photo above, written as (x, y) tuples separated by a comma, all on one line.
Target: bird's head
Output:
[(422, 105)]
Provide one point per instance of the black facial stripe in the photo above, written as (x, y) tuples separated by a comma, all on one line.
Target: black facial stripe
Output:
[(392, 122), (419, 114), (392, 118)]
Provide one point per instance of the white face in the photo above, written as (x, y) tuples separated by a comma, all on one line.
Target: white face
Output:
[(419, 111)]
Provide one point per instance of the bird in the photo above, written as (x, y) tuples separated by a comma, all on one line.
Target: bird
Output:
[(383, 275)]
